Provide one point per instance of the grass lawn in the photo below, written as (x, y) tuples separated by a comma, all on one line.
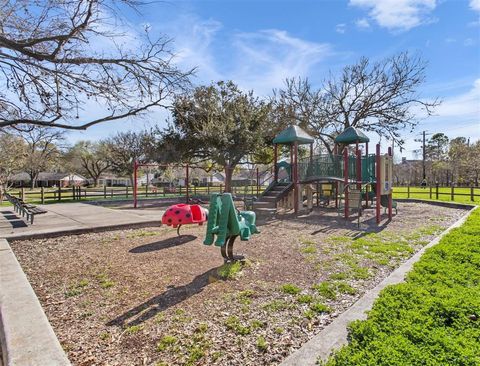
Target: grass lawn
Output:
[(461, 194), (431, 319)]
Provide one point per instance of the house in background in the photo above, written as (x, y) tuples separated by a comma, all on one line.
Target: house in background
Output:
[(48, 179), (112, 180)]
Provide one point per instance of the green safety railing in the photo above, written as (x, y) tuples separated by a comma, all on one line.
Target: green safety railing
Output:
[(324, 165), (329, 165)]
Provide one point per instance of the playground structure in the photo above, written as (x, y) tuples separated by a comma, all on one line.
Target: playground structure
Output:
[(348, 175), (347, 178), (184, 214), (226, 223)]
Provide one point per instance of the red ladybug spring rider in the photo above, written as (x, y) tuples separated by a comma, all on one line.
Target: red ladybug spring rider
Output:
[(182, 214)]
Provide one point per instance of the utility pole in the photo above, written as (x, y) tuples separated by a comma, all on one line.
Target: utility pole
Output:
[(423, 163)]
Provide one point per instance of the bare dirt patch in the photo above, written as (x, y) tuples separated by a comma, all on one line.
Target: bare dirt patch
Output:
[(148, 297)]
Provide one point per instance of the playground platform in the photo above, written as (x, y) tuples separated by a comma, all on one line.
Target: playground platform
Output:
[(74, 218)]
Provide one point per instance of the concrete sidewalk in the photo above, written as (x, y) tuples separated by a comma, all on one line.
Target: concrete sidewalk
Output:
[(74, 218), (26, 337)]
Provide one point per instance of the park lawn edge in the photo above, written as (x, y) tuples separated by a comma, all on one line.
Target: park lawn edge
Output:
[(433, 318)]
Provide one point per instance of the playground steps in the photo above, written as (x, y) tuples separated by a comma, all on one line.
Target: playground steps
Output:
[(269, 199)]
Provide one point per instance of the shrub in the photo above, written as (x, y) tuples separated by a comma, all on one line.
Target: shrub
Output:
[(431, 319)]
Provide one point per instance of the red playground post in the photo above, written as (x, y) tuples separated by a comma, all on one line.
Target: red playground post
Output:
[(186, 183), (345, 179), (135, 166), (377, 184), (295, 178), (390, 194)]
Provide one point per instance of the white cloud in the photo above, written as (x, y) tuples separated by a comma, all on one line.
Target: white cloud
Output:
[(193, 39), (399, 15), (468, 42), (465, 106), (362, 23), (341, 28), (450, 40), (265, 58), (475, 5), (258, 60)]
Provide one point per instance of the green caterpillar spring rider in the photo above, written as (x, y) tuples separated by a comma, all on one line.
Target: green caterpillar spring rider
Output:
[(227, 223)]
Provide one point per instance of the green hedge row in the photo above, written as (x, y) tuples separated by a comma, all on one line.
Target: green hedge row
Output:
[(431, 319)]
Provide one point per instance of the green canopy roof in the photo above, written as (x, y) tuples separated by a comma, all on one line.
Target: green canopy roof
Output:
[(293, 134), (350, 136)]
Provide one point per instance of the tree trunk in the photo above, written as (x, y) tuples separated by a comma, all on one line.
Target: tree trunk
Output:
[(228, 178), (33, 179), (95, 181)]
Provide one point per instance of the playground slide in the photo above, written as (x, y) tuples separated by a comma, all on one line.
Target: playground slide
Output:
[(224, 221)]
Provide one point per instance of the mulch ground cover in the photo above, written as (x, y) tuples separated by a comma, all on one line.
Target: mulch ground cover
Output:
[(150, 297)]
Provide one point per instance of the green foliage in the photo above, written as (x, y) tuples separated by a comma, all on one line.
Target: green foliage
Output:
[(360, 273), (201, 328), (309, 314), (325, 289), (104, 336), (432, 318), (166, 342), (234, 324), (134, 329), (262, 344), (345, 288), (255, 324), (339, 276), (220, 123), (275, 305), (245, 297), (310, 249), (289, 288), (320, 308), (304, 299), (105, 281), (229, 271), (77, 288)]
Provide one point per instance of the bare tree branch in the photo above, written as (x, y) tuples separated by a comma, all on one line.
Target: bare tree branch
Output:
[(51, 69)]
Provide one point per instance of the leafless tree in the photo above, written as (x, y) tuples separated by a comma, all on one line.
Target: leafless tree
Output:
[(380, 97), (43, 150), (13, 152), (88, 158), (61, 57), (124, 148)]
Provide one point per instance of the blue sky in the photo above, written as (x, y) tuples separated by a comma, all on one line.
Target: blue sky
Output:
[(260, 43)]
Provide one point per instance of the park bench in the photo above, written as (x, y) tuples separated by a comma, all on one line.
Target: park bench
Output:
[(23, 208)]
